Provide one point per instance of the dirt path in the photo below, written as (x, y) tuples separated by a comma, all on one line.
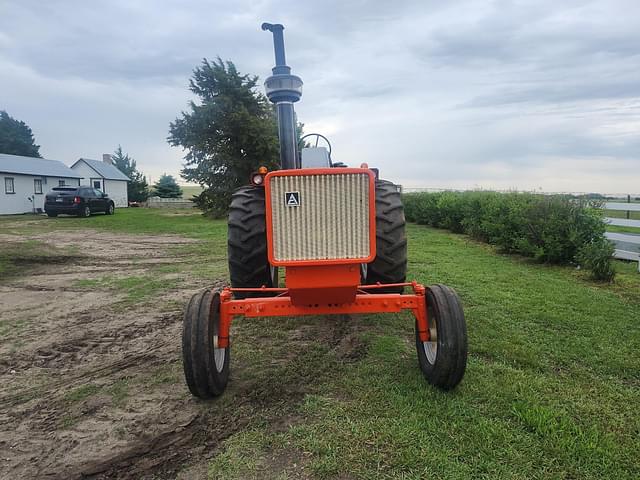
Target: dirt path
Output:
[(84, 376), (91, 383)]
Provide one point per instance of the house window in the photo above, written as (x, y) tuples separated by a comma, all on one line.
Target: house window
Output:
[(96, 184), (61, 183), (37, 185), (8, 185)]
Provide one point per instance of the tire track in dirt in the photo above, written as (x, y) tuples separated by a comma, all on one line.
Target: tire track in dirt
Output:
[(58, 354), (169, 451), (164, 454)]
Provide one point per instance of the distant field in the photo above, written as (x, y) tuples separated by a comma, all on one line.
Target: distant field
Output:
[(621, 214), (617, 229), (189, 191)]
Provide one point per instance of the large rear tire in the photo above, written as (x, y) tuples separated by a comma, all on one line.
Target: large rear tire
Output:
[(390, 264), (443, 359), (206, 367), (247, 243)]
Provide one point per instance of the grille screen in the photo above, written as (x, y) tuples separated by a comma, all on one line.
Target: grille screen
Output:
[(320, 217)]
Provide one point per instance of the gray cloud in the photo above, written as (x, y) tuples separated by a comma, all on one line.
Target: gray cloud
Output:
[(498, 94)]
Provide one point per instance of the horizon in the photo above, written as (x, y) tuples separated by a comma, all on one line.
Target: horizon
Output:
[(455, 96)]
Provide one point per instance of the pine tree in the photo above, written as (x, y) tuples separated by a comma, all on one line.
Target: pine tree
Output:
[(227, 136), (16, 138), (137, 188), (166, 187)]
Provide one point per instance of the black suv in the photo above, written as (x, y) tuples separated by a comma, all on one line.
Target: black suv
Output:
[(81, 201)]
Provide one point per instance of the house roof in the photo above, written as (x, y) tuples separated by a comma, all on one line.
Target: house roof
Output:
[(35, 166), (105, 170)]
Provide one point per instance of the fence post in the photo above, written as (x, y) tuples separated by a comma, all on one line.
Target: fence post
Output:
[(629, 201)]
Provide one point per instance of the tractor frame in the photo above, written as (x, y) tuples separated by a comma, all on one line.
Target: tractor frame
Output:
[(366, 301)]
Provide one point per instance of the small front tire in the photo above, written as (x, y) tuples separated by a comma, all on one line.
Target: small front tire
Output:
[(206, 367), (111, 209), (443, 359)]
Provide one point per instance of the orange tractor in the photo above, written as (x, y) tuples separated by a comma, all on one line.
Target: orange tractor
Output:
[(339, 235)]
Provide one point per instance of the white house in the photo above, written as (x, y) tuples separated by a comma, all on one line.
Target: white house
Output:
[(24, 182), (105, 177)]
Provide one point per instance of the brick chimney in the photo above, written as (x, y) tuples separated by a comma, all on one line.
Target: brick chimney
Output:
[(106, 158)]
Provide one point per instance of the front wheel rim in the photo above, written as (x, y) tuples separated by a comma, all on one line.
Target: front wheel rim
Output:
[(218, 355), (430, 347)]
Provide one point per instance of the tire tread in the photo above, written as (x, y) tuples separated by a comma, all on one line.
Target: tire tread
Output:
[(247, 241), (451, 359), (390, 264), (201, 375)]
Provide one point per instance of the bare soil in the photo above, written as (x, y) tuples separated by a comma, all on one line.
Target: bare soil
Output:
[(91, 386)]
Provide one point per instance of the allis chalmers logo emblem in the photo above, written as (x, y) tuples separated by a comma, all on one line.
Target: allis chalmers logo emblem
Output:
[(292, 199)]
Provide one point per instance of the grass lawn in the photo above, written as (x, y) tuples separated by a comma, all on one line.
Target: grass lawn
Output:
[(552, 388)]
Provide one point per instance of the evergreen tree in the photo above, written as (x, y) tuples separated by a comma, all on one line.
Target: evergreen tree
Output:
[(166, 187), (137, 188), (227, 135), (16, 138)]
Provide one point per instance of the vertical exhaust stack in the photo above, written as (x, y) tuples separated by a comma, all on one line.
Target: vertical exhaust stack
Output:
[(284, 89)]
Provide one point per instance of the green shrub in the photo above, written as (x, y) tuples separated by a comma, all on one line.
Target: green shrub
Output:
[(451, 206), (549, 228), (597, 257), (423, 209)]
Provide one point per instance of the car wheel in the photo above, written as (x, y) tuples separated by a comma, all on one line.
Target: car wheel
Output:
[(111, 209), (85, 211), (52, 214)]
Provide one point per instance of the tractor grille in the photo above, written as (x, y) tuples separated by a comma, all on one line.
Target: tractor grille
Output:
[(320, 217)]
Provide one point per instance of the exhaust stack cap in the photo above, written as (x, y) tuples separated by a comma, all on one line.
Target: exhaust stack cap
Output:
[(281, 86)]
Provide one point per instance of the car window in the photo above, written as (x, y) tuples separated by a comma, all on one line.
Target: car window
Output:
[(86, 192), (97, 193)]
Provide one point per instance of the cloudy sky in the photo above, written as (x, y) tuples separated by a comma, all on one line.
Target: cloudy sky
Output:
[(465, 94)]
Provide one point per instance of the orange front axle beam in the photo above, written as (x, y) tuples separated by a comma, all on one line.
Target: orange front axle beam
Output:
[(280, 305)]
